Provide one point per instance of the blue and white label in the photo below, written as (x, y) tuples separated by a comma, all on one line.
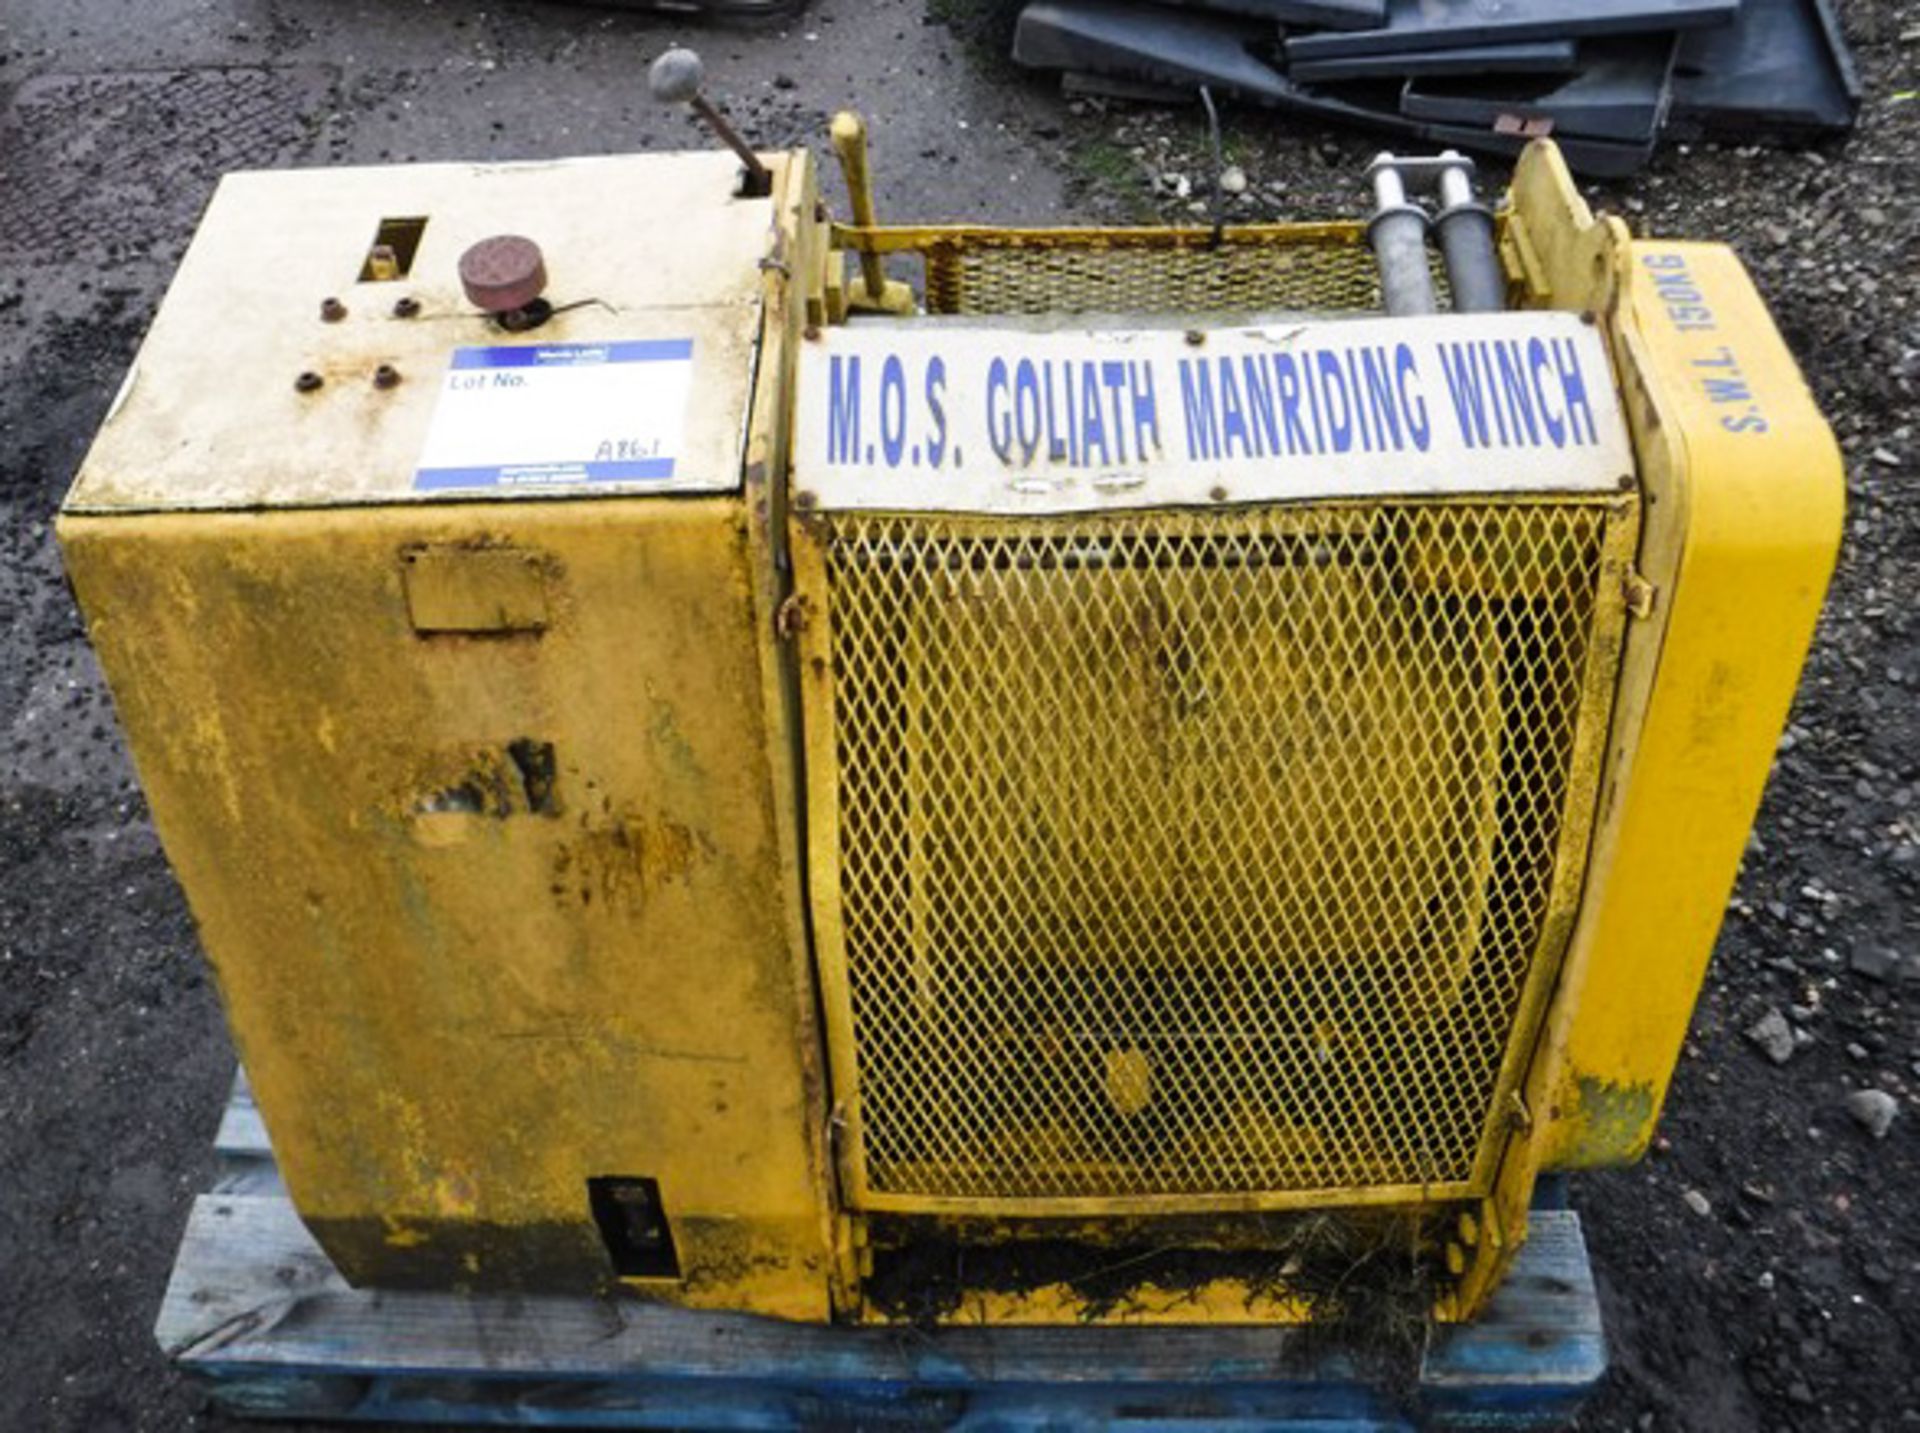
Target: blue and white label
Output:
[(559, 415), (1030, 419)]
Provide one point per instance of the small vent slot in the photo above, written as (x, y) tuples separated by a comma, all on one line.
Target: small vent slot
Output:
[(634, 1226), (390, 255)]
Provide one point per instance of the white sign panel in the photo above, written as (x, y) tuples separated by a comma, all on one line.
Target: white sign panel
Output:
[(559, 414), (969, 419)]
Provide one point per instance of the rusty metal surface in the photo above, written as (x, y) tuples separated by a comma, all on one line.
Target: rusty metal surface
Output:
[(454, 846)]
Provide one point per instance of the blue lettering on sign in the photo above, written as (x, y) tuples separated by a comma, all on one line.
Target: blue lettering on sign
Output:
[(999, 411), (1026, 409), (1333, 384), (1146, 416), (1056, 448), (1258, 379), (1412, 403), (573, 355), (843, 409), (1552, 416), (1686, 306), (1233, 418), (1724, 383), (1093, 428), (1463, 387), (1196, 402), (508, 366), (1308, 404), (1684, 302), (893, 410), (1509, 394), (937, 411), (1524, 392)]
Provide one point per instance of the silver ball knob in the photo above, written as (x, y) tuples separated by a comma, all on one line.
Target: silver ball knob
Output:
[(676, 76)]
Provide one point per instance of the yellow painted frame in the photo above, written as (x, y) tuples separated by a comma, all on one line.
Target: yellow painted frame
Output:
[(1745, 502)]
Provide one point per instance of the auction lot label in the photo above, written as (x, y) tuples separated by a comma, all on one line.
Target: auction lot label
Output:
[(558, 414), (969, 419)]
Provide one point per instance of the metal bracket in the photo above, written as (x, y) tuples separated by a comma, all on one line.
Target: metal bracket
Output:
[(790, 618), (1639, 594)]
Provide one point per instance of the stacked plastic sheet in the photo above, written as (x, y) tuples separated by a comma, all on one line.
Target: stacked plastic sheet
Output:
[(1607, 79)]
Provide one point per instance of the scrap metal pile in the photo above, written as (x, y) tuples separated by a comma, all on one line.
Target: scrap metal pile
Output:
[(1607, 79)]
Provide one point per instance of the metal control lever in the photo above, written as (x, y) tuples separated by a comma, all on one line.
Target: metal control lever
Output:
[(872, 290), (675, 78)]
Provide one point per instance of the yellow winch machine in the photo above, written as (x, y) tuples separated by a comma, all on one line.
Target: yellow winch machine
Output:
[(1211, 752)]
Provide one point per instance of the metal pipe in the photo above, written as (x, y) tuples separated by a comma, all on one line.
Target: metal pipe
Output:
[(1464, 227), (1397, 231)]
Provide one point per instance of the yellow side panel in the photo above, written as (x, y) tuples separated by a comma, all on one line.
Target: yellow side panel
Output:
[(475, 806), (1745, 490)]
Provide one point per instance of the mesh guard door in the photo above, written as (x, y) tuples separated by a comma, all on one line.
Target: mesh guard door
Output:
[(1197, 860)]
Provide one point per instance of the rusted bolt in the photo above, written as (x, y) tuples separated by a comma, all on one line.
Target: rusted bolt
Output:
[(1587, 316), (332, 310), (406, 308), (803, 501), (307, 382), (810, 333), (1195, 337), (791, 618), (1626, 482), (1217, 493), (386, 376)]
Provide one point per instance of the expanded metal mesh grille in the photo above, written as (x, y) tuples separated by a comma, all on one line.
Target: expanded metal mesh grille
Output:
[(1197, 853), (1314, 271)]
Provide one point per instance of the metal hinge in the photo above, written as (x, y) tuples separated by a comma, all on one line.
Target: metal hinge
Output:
[(1639, 594), (790, 620)]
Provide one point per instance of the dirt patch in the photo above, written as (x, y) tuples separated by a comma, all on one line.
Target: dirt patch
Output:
[(1343, 1268), (128, 143)]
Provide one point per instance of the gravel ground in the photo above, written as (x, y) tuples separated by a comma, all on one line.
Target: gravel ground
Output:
[(1761, 1270)]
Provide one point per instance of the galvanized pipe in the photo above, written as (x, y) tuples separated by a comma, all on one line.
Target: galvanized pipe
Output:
[(1464, 227), (1397, 231)]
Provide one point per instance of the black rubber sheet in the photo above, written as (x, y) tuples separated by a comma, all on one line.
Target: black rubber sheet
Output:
[(1445, 24), (1184, 49), (1781, 69), (1523, 57), (1621, 91)]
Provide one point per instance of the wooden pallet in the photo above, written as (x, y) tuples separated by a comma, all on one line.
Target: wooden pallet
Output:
[(256, 1309)]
